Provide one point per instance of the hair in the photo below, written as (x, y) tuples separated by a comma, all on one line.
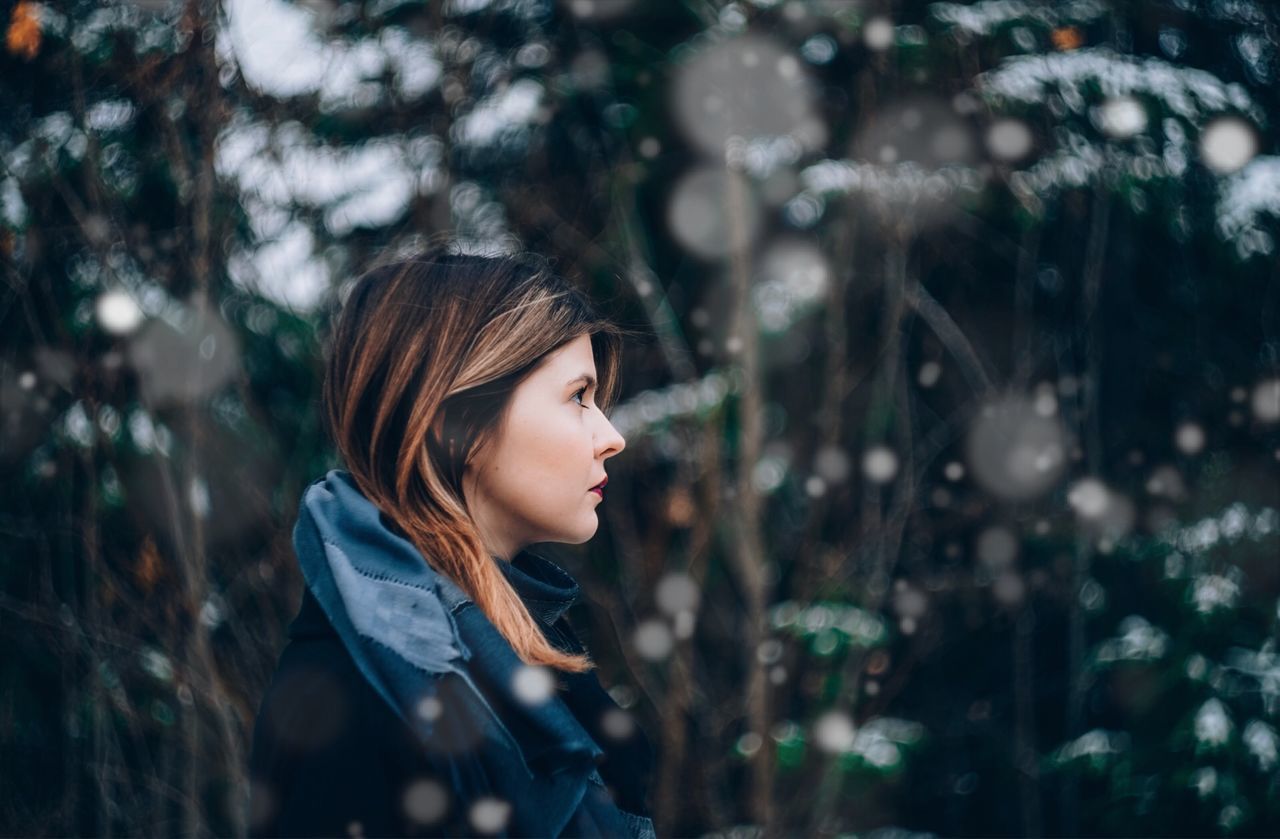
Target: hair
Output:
[(440, 340)]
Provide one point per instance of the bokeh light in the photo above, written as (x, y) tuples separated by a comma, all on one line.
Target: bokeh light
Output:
[(618, 724), (793, 279), (997, 547), (703, 218), (909, 602), (425, 801), (832, 463), (1009, 140), (748, 744), (489, 814), (878, 34), (1104, 513), (1121, 117), (1227, 144), (1166, 481), (749, 87), (929, 374), (880, 464), (1189, 437), (653, 639), (769, 651), (833, 732), (533, 684), (1089, 498), (430, 708), (180, 365), (118, 312), (1265, 401), (1013, 451), (683, 624), (676, 592)]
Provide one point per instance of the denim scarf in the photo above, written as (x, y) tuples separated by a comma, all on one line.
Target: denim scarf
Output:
[(403, 625)]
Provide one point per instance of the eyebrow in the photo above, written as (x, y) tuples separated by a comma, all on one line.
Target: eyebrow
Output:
[(583, 377)]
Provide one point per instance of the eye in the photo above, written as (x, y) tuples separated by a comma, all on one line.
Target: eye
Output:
[(579, 394)]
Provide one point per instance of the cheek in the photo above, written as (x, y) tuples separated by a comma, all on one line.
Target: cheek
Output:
[(546, 455)]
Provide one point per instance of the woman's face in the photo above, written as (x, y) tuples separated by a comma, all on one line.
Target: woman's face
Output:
[(533, 483)]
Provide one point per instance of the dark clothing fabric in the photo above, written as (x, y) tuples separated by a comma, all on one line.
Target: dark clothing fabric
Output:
[(333, 754), (329, 754), (548, 592)]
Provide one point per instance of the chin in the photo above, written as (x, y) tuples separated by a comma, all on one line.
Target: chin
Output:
[(585, 534)]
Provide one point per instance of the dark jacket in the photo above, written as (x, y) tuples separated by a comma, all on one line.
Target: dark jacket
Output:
[(333, 755)]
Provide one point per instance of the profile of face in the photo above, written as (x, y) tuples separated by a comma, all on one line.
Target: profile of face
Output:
[(533, 483)]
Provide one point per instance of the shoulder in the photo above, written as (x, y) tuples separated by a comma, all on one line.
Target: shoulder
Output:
[(329, 751), (317, 697)]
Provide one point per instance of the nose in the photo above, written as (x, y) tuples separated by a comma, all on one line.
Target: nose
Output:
[(609, 442)]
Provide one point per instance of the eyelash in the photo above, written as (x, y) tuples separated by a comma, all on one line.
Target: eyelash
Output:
[(580, 392)]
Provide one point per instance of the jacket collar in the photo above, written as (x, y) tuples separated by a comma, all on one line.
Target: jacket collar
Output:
[(546, 589)]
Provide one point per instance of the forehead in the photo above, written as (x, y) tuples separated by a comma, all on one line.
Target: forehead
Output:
[(570, 360)]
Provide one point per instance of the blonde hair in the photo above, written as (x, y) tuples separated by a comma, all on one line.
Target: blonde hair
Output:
[(442, 339)]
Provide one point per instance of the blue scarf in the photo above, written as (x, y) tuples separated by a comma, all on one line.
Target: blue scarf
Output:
[(402, 623)]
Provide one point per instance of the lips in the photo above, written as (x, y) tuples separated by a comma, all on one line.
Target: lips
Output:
[(599, 488)]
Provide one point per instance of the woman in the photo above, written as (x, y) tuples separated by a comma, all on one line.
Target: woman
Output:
[(432, 685)]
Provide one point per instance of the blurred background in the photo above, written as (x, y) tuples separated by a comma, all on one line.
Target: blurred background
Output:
[(950, 499)]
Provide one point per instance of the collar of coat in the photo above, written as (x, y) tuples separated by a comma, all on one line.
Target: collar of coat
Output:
[(405, 626), (546, 589)]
